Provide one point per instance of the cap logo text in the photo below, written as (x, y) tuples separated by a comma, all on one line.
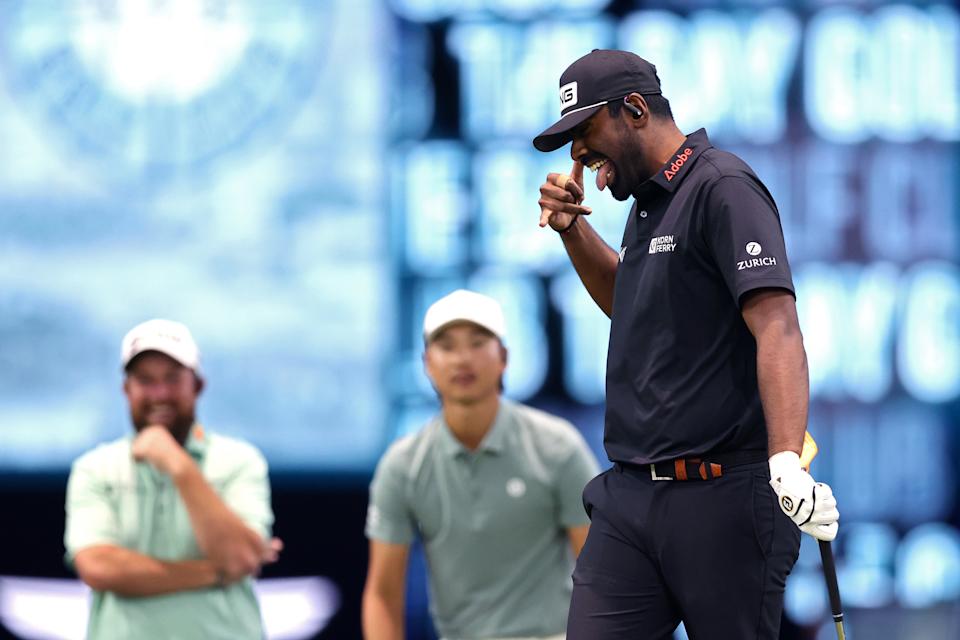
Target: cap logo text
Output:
[(681, 158), (568, 95)]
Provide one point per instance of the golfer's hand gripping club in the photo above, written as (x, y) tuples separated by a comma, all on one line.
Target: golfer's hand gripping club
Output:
[(810, 504)]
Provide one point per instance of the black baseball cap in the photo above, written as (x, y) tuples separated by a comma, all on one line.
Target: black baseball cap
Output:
[(601, 76)]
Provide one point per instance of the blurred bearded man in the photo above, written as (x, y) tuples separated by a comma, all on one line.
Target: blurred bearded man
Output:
[(168, 524)]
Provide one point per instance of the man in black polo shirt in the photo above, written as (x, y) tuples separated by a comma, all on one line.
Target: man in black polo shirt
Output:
[(707, 387)]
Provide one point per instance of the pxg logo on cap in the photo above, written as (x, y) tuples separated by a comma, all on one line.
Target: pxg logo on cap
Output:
[(601, 76), (568, 95)]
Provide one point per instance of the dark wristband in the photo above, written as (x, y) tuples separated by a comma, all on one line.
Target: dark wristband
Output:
[(569, 226)]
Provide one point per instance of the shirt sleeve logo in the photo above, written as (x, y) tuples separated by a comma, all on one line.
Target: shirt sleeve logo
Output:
[(754, 249), (568, 95)]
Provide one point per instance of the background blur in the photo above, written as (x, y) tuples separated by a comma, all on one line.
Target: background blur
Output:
[(297, 180)]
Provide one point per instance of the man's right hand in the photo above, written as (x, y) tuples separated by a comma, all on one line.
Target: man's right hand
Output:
[(157, 446), (561, 197), (269, 553)]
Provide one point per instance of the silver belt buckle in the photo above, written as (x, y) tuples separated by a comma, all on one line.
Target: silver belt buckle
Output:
[(653, 473)]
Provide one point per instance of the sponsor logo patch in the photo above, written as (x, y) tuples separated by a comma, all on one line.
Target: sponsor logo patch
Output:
[(662, 244), (754, 248), (516, 487), (678, 162), (753, 263)]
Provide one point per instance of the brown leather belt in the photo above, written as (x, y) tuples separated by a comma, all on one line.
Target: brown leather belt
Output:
[(707, 467)]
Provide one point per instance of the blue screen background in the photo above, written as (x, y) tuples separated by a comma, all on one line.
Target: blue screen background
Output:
[(297, 181)]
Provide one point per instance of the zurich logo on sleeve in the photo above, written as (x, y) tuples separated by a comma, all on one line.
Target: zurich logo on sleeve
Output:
[(754, 249)]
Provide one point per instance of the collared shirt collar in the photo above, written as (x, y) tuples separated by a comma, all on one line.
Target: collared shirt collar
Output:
[(197, 442), (493, 442), (678, 166)]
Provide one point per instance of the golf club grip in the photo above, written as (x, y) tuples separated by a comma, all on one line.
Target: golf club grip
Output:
[(830, 575)]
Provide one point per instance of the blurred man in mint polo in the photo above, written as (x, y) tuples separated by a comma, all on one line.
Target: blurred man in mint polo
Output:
[(168, 524)]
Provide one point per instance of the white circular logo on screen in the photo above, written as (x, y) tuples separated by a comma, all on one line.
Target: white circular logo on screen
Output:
[(516, 487), (754, 248)]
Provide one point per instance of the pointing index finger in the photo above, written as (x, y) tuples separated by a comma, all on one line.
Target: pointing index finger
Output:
[(575, 186), (577, 172)]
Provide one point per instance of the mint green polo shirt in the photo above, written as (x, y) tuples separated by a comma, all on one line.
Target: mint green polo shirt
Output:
[(111, 499), (493, 522)]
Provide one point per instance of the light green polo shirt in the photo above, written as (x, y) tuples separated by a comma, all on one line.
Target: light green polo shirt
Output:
[(111, 499), (493, 522)]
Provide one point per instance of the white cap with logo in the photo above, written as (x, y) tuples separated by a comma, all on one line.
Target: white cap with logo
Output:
[(464, 306), (166, 336)]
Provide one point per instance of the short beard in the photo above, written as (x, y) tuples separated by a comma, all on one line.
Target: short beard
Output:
[(625, 154), (180, 429), (619, 196)]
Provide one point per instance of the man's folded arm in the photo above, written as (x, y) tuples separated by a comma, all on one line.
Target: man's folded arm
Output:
[(107, 567), (231, 530)]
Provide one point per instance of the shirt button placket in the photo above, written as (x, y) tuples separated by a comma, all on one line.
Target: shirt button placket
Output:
[(476, 516)]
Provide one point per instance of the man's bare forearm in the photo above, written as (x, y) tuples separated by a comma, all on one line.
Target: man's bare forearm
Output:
[(385, 591), (132, 575), (382, 616), (784, 387), (595, 262), (771, 316), (222, 536)]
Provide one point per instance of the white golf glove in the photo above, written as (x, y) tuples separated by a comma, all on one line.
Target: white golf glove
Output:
[(809, 504)]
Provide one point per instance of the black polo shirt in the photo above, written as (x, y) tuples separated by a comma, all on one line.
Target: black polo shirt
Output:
[(682, 364)]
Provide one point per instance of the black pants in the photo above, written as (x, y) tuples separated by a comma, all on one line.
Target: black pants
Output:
[(714, 554)]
